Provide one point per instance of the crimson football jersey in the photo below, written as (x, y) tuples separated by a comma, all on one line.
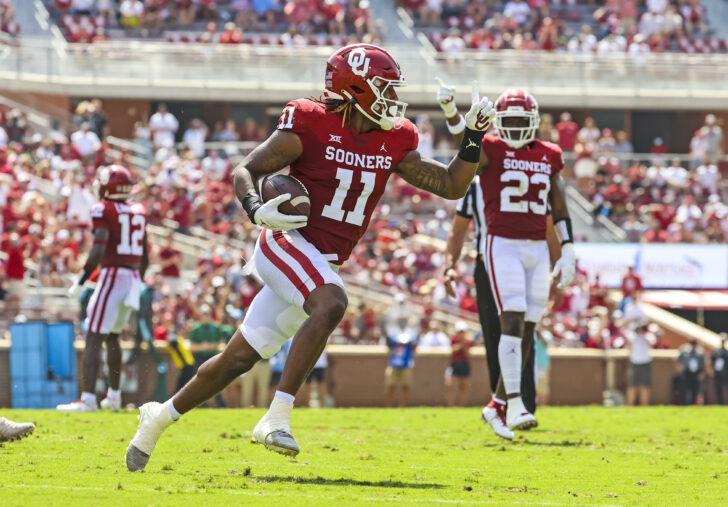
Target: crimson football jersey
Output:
[(344, 171), (126, 223), (516, 187)]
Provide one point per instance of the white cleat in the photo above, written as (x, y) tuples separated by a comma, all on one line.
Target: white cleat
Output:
[(517, 417), (10, 430), (276, 436), (154, 418), (77, 406), (109, 404), (494, 415)]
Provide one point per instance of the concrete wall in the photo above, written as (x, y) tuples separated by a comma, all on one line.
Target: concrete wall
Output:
[(356, 376)]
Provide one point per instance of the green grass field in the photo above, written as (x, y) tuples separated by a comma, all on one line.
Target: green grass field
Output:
[(656, 456)]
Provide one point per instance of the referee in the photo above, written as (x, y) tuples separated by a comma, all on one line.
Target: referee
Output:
[(471, 207)]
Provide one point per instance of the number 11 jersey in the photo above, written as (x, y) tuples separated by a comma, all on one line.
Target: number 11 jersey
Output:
[(344, 171), (126, 223), (516, 187)]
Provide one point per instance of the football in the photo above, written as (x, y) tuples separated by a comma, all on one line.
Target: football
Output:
[(278, 184)]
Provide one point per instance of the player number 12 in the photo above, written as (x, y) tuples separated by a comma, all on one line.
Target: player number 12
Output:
[(130, 242), (335, 210)]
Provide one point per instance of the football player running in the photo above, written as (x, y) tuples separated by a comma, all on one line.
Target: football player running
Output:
[(343, 148), (120, 249), (519, 180)]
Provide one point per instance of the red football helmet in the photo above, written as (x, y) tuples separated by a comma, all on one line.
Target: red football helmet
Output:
[(362, 74), (113, 182), (515, 103)]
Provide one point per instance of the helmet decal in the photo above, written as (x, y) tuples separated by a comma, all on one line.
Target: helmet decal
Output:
[(359, 62)]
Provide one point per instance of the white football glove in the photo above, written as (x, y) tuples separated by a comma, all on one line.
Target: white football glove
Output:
[(481, 112), (269, 217), (75, 290), (566, 265), (446, 98)]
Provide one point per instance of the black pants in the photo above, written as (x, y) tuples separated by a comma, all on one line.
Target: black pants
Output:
[(489, 321), (690, 388), (720, 382)]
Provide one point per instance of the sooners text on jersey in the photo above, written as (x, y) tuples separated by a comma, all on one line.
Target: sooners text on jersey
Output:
[(126, 223), (516, 187), (344, 171)]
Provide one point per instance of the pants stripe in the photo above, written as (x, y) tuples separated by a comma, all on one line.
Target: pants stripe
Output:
[(99, 292), (300, 257), (106, 300), (281, 265)]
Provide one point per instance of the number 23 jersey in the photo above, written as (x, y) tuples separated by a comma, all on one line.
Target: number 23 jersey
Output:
[(516, 187), (126, 223), (344, 171)]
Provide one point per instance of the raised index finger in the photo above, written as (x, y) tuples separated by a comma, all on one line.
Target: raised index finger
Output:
[(476, 93)]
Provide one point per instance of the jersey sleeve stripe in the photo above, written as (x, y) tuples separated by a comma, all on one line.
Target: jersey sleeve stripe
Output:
[(266, 236), (299, 256), (491, 272)]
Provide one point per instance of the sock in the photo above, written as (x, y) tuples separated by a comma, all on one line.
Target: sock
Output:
[(498, 400), (113, 394), (172, 411), (88, 398), (285, 397), (280, 410), (509, 356)]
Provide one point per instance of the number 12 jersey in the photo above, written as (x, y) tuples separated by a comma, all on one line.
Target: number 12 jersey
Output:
[(516, 187), (126, 223), (344, 171)]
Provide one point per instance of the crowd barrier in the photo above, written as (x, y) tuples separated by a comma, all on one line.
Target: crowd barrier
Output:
[(356, 375)]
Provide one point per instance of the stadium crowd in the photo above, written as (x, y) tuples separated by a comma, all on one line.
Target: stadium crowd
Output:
[(285, 22), (188, 186), (7, 19), (609, 26)]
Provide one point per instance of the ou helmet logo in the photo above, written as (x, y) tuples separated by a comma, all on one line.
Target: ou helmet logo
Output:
[(359, 62)]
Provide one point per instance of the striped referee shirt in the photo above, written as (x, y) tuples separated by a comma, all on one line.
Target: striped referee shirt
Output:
[(472, 207)]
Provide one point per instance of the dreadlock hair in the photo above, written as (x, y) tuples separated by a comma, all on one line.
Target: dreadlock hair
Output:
[(339, 106)]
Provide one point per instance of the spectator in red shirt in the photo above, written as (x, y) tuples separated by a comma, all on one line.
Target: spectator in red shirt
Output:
[(15, 270), (658, 147), (181, 209), (597, 293), (231, 35), (656, 234), (568, 131), (170, 259), (631, 286), (457, 376), (468, 303), (251, 131)]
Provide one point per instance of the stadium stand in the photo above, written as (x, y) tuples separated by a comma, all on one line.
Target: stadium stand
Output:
[(294, 22), (610, 26), (188, 190)]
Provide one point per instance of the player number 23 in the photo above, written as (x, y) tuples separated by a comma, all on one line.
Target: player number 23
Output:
[(520, 189), (132, 234), (335, 210)]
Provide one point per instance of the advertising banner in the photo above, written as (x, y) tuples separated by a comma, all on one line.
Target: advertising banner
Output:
[(661, 266)]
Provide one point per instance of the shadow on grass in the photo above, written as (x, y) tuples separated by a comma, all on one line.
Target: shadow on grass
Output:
[(563, 443), (346, 482)]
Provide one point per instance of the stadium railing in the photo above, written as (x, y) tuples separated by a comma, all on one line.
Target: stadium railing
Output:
[(272, 73)]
